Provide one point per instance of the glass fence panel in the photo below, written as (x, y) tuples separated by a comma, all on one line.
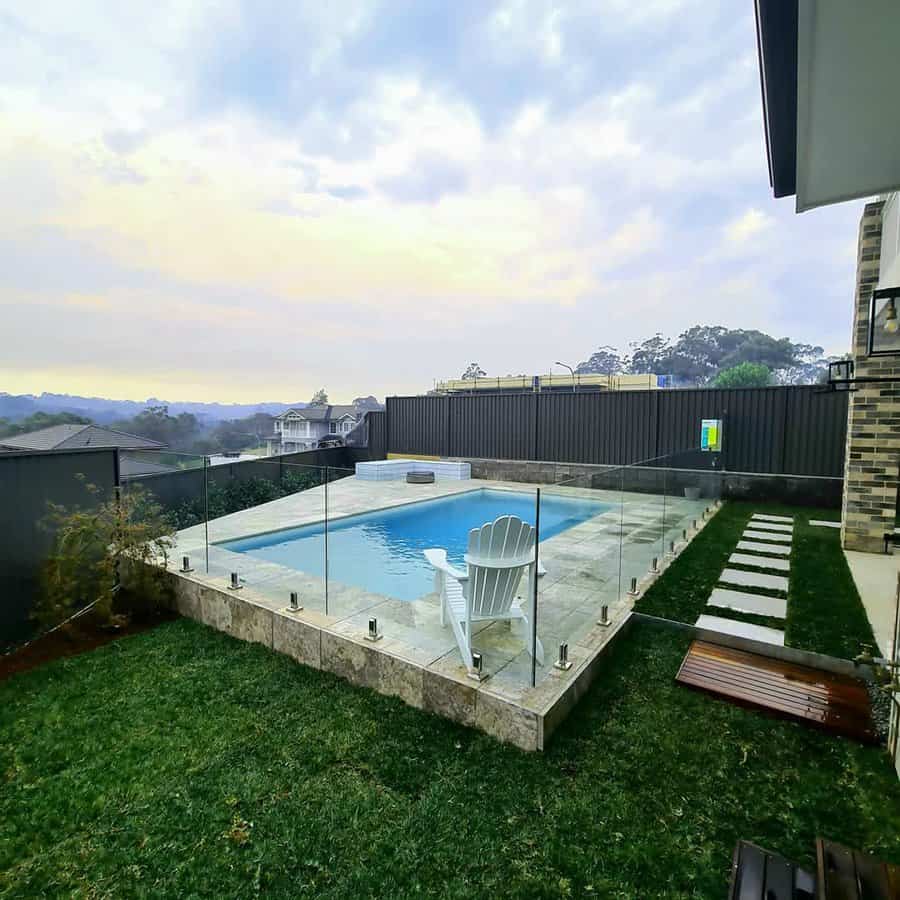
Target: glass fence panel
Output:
[(586, 514), (607, 533), (400, 571), (266, 529)]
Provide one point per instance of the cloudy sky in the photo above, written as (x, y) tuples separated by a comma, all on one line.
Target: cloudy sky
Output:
[(249, 200)]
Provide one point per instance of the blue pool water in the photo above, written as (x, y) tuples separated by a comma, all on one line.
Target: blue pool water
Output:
[(382, 551)]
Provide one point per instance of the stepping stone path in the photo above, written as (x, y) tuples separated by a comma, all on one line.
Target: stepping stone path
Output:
[(742, 629), (765, 539), (756, 547), (767, 536), (761, 562), (775, 607), (824, 524), (754, 579), (772, 526)]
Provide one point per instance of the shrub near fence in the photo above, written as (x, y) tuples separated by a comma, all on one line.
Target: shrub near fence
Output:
[(779, 431), (29, 482)]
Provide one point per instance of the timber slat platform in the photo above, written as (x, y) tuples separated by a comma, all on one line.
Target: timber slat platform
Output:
[(835, 703)]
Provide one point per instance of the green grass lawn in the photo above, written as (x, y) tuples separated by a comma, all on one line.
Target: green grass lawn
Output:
[(181, 762), (824, 612)]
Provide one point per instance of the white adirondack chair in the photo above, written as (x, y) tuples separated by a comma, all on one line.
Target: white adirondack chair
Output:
[(499, 553)]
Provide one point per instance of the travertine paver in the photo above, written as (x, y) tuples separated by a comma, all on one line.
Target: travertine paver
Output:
[(767, 536), (754, 579), (761, 562), (741, 629), (824, 523), (776, 607), (766, 518), (756, 547), (772, 526)]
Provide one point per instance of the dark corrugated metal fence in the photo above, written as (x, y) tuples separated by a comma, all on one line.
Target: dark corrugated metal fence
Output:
[(779, 430)]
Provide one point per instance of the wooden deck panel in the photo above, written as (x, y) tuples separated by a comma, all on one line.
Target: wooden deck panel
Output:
[(835, 703)]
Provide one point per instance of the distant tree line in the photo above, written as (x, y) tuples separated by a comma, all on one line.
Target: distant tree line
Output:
[(709, 355), (705, 353)]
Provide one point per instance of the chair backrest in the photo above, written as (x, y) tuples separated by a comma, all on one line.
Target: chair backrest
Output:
[(498, 554)]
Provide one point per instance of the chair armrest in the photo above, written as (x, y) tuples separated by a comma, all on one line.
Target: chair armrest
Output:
[(438, 558)]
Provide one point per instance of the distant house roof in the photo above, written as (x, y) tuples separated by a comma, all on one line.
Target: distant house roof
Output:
[(321, 413), (70, 437)]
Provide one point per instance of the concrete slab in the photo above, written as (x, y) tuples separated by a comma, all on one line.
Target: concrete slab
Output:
[(875, 576), (741, 629), (764, 518), (754, 579), (772, 526), (767, 536), (776, 607), (756, 547), (824, 524), (760, 562)]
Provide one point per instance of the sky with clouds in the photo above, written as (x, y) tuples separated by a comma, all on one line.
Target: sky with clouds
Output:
[(249, 200)]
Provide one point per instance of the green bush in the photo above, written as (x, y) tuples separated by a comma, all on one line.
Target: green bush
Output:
[(111, 557)]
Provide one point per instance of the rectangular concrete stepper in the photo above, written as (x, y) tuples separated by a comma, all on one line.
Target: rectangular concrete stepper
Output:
[(756, 547), (824, 523), (741, 629), (766, 518), (771, 526), (756, 604), (761, 562), (767, 536), (754, 579)]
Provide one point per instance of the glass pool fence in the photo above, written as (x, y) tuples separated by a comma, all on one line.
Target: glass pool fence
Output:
[(521, 600)]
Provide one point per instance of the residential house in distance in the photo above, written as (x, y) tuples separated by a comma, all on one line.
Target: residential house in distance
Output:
[(302, 429)]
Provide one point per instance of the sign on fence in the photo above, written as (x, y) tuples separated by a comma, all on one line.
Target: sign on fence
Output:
[(711, 435)]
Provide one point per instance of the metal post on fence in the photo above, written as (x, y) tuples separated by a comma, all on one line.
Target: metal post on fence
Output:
[(534, 585), (206, 508), (117, 489)]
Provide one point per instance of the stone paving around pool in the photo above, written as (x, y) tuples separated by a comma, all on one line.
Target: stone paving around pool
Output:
[(417, 659)]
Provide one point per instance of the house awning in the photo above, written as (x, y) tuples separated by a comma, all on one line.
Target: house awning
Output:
[(828, 70)]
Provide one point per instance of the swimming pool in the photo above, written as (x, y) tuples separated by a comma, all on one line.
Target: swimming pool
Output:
[(381, 551)]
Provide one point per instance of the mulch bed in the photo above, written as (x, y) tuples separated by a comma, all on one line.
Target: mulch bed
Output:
[(80, 636)]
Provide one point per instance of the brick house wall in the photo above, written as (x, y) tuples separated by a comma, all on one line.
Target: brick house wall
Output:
[(873, 428)]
